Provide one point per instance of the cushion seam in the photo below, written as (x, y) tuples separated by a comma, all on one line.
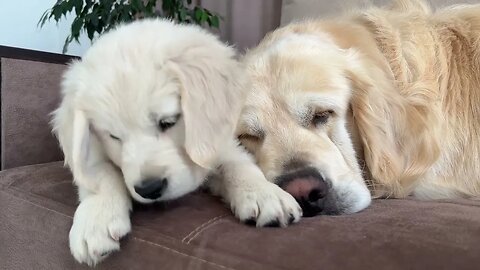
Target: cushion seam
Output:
[(205, 224), (138, 239), (76, 206), (30, 165), (183, 254), (204, 229), (20, 168), (37, 205), (41, 197)]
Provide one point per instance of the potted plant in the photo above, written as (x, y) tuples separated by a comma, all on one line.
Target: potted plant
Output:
[(98, 16)]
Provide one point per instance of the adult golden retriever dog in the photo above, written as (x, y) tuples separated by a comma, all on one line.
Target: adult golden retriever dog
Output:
[(149, 112), (390, 96)]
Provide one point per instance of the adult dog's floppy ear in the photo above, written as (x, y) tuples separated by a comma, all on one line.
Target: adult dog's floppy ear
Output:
[(212, 87), (397, 128), (372, 118)]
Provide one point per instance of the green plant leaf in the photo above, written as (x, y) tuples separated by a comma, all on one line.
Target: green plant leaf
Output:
[(94, 20), (90, 31), (100, 26), (88, 4), (204, 17), (99, 16), (125, 15), (138, 5), (215, 21), (182, 15), (111, 17), (68, 5), (57, 12), (44, 18), (198, 14), (68, 40), (76, 26), (150, 8), (78, 6)]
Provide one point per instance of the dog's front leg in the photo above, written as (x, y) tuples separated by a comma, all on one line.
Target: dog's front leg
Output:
[(102, 218), (252, 198)]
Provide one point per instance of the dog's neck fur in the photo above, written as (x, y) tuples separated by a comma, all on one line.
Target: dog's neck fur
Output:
[(406, 100)]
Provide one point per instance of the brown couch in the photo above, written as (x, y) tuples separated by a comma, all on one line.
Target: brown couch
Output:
[(37, 201)]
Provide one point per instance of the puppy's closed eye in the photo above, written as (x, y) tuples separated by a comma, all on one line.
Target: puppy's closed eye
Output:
[(168, 122), (115, 137)]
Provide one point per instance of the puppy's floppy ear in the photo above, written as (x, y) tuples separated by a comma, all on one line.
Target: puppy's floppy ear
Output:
[(212, 86), (72, 129)]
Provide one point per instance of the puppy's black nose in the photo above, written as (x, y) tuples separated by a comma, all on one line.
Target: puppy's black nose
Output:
[(151, 188)]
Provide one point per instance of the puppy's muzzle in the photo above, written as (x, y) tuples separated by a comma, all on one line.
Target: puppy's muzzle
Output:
[(151, 188), (308, 187)]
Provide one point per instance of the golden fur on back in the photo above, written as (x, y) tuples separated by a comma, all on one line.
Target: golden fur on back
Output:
[(414, 114)]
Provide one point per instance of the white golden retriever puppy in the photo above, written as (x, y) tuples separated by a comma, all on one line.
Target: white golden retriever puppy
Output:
[(148, 113)]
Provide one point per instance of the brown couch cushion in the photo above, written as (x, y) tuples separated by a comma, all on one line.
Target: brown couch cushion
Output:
[(29, 92), (198, 232)]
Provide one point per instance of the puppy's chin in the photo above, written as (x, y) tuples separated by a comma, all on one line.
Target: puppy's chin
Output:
[(179, 184), (140, 199), (167, 196), (184, 182)]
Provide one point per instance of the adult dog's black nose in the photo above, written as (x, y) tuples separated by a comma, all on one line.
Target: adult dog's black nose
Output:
[(151, 188), (308, 187)]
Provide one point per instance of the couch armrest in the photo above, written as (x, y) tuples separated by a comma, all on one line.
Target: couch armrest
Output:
[(29, 91)]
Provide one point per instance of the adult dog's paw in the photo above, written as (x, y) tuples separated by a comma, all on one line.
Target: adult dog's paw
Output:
[(98, 225), (265, 206)]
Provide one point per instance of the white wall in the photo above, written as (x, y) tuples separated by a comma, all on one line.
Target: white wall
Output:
[(18, 28)]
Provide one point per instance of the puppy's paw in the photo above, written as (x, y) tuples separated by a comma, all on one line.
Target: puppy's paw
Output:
[(265, 206), (98, 225)]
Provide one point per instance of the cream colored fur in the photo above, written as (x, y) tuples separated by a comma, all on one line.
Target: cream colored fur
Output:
[(405, 82), (108, 127)]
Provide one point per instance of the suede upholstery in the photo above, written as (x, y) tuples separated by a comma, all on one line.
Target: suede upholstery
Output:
[(198, 232), (30, 91), (37, 203)]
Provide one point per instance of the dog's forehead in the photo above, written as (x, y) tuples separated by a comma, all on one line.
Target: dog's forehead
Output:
[(265, 109), (284, 81), (130, 98)]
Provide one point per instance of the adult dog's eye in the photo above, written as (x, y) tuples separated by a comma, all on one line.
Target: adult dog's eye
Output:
[(321, 118), (168, 122), (249, 137), (250, 142), (114, 137)]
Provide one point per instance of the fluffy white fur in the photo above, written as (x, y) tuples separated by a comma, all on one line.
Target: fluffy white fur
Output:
[(107, 125)]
